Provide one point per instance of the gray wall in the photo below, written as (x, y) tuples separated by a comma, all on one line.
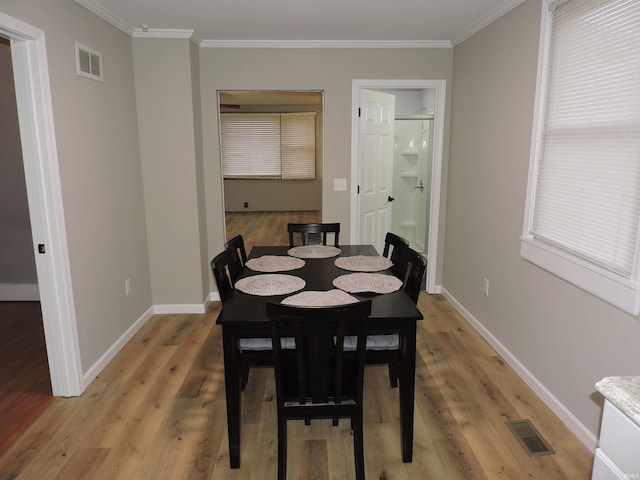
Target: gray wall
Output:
[(328, 70), (101, 178), (17, 265), (566, 338), (168, 124)]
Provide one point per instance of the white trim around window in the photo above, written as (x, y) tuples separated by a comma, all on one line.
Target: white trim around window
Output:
[(617, 285)]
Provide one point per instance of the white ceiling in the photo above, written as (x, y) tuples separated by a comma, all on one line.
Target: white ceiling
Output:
[(377, 22)]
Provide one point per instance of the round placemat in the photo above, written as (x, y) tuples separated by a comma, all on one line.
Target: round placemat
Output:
[(367, 282), (270, 284), (314, 251), (274, 263), (363, 263), (328, 298)]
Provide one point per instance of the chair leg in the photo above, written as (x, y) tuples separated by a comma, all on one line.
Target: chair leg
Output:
[(282, 449), (358, 444), (393, 372), (244, 374)]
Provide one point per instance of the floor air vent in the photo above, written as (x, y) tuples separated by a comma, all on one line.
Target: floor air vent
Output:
[(530, 438)]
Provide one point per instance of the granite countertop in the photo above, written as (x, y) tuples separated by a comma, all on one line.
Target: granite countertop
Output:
[(624, 393)]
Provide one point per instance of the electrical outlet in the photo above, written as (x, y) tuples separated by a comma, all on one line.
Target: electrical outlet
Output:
[(339, 184), (485, 287), (127, 287), (246, 204)]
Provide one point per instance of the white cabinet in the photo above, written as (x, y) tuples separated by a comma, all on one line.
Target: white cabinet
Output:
[(618, 452)]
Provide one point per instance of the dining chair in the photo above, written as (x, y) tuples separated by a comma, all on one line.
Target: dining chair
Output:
[(253, 351), (385, 349), (319, 379), (236, 245), (313, 233), (394, 249)]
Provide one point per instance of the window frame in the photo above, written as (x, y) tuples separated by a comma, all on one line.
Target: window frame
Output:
[(617, 289)]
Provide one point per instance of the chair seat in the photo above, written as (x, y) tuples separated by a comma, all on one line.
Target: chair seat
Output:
[(374, 342), (264, 344)]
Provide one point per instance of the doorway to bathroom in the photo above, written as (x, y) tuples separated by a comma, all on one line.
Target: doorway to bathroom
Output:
[(416, 162)]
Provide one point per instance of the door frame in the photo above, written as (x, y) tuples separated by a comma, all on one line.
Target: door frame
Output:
[(436, 176), (44, 193)]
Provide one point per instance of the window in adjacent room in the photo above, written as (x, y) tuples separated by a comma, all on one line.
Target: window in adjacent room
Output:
[(583, 200), (269, 145)]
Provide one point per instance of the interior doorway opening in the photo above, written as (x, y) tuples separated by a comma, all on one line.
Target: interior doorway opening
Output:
[(255, 205), (417, 163)]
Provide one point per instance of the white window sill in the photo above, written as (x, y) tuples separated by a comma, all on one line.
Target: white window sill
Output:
[(602, 283)]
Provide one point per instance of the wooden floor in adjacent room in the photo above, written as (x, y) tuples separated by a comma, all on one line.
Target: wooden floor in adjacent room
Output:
[(25, 385), (266, 228), (158, 412)]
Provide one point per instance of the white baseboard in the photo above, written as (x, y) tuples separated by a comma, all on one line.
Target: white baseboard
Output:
[(179, 308), (103, 361), (587, 437), (19, 292)]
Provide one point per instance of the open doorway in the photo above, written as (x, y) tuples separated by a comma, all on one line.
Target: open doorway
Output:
[(265, 188), (42, 178), (415, 163), (25, 385)]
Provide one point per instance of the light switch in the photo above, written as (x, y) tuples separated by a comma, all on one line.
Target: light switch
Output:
[(339, 184)]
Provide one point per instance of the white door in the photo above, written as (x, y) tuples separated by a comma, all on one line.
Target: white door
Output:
[(375, 176)]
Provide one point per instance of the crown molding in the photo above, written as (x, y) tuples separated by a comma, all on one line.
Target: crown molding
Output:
[(107, 16), (325, 44), (162, 33), (492, 16)]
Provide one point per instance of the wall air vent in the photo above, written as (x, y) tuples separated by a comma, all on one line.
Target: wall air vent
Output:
[(89, 62)]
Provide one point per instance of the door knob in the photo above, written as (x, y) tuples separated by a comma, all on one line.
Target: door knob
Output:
[(390, 198)]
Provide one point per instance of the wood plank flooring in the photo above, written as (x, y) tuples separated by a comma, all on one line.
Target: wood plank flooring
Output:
[(25, 386), (158, 412), (266, 228)]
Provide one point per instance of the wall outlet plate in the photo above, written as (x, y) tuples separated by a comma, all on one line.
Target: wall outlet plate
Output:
[(339, 184)]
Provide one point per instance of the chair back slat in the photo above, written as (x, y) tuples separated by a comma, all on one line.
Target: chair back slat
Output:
[(397, 247), (321, 368), (239, 256), (415, 267), (313, 233), (221, 268)]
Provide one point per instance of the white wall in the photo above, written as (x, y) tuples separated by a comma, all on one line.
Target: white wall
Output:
[(564, 338)]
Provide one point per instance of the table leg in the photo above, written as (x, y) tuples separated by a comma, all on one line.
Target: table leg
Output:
[(232, 390), (407, 387)]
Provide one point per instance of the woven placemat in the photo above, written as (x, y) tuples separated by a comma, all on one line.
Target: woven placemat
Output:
[(363, 263), (274, 263), (314, 251), (328, 298), (270, 284), (367, 282)]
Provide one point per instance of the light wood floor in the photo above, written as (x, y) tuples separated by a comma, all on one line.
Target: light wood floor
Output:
[(157, 412), (266, 228)]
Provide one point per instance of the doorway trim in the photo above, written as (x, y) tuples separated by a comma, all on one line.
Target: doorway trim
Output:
[(44, 192), (436, 175)]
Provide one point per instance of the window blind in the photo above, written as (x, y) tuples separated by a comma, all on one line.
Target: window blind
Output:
[(268, 145), (298, 136), (587, 190)]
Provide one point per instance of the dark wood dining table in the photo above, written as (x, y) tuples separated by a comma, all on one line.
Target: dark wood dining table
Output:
[(244, 316)]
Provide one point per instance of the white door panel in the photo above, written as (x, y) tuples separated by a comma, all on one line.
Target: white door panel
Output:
[(376, 125)]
